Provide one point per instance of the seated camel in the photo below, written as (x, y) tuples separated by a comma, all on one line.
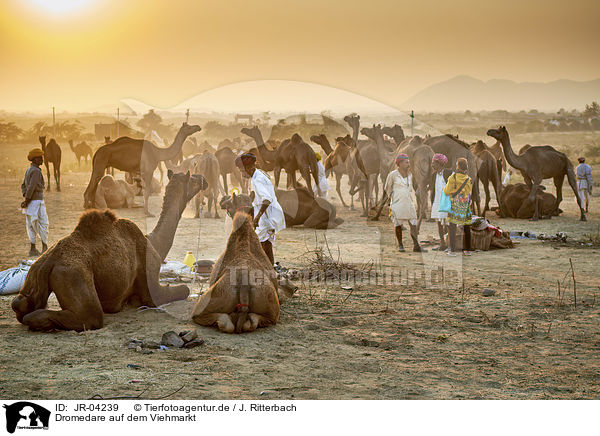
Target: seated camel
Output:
[(243, 285), (514, 202), (301, 207), (103, 265), (115, 194)]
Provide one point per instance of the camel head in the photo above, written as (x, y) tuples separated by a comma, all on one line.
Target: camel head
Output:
[(188, 129), (252, 132), (319, 139), (395, 132), (500, 134), (184, 185), (369, 132), (107, 140), (353, 120), (42, 140), (234, 203), (346, 140)]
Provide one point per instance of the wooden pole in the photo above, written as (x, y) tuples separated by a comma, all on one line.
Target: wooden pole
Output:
[(187, 116), (53, 123), (412, 122)]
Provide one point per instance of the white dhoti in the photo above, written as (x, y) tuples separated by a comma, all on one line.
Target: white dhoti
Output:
[(401, 202), (323, 183), (273, 220), (36, 220)]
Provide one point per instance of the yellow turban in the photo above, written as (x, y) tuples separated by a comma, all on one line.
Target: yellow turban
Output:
[(318, 155), (36, 152)]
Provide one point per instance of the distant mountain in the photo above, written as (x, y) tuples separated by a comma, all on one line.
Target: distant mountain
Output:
[(464, 92)]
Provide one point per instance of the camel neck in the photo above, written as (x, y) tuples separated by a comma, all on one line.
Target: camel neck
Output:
[(171, 151), (509, 154), (163, 233)]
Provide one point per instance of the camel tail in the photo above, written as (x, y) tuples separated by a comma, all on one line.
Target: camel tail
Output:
[(242, 308)]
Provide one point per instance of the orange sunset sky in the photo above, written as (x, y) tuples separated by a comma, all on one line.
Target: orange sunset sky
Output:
[(81, 54)]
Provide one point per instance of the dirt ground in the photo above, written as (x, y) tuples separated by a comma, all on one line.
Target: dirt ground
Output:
[(415, 338)]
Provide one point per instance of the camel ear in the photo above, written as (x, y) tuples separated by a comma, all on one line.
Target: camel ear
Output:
[(252, 195), (169, 174)]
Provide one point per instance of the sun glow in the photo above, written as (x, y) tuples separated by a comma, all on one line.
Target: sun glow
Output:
[(61, 8)]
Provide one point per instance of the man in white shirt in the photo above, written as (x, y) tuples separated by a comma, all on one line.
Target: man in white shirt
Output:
[(268, 214), (584, 182)]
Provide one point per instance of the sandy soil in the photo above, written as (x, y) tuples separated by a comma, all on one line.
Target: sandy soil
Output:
[(412, 339)]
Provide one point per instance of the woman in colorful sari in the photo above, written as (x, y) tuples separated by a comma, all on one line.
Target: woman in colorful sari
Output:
[(459, 188)]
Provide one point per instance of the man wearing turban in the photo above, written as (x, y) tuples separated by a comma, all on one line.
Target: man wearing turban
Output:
[(437, 184), (268, 214), (34, 208), (398, 186)]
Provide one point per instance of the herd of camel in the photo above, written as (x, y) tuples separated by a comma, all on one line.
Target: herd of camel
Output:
[(107, 263), (366, 162)]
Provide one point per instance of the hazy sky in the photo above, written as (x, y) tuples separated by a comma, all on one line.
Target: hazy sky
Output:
[(88, 53)]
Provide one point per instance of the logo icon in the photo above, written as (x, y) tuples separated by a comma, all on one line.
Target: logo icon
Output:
[(26, 415)]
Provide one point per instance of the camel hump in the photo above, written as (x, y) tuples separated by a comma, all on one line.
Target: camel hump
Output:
[(296, 139), (94, 222)]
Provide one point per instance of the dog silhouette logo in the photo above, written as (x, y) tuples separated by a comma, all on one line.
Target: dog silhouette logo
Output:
[(26, 415)]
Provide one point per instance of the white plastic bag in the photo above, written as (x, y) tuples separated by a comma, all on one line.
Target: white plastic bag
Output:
[(12, 279)]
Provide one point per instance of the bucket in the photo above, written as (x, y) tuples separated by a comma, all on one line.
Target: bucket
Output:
[(189, 259)]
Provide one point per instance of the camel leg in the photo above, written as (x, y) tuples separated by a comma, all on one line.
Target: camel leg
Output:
[(198, 200), (486, 189), (47, 173), (532, 198), (213, 199), (367, 194), (146, 190), (90, 192), (222, 320), (255, 320), (573, 183), (277, 173), (558, 182), (57, 176), (338, 179), (81, 309), (224, 176), (150, 290), (305, 172)]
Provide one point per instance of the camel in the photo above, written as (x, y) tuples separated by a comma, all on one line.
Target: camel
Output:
[(338, 160), (103, 265), (539, 163), (135, 156), (365, 164), (242, 293), (322, 140), (208, 165), (296, 155), (81, 150), (453, 148), (496, 151), (489, 172), (513, 202), (52, 154), (419, 155), (265, 158), (115, 194), (226, 158), (301, 208), (396, 133)]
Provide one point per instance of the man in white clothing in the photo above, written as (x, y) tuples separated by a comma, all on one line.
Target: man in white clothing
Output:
[(323, 183), (398, 186), (34, 208), (268, 214)]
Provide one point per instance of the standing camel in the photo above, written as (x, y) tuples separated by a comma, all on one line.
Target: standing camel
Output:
[(52, 154), (81, 150), (207, 165), (396, 133), (265, 158), (226, 158), (419, 155), (338, 161), (134, 156), (296, 155), (537, 164), (488, 173)]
